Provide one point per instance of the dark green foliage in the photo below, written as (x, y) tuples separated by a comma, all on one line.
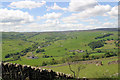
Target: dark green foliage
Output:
[(44, 63), (40, 50), (99, 51), (96, 44), (65, 48), (106, 35), (117, 43), (73, 53), (110, 54), (7, 56), (45, 56), (53, 62)]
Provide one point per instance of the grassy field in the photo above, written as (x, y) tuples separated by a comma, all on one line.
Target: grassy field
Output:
[(90, 70), (58, 46)]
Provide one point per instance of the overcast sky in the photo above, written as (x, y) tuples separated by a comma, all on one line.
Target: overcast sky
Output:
[(28, 16)]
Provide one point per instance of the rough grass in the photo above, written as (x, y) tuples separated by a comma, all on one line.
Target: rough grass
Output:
[(91, 70)]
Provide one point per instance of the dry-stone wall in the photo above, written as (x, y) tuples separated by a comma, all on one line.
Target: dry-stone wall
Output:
[(12, 71)]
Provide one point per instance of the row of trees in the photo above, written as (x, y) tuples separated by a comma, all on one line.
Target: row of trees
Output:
[(106, 35), (88, 55), (79, 58), (23, 52)]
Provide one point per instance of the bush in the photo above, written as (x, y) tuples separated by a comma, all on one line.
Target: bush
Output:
[(53, 62), (7, 56), (65, 48), (40, 50), (74, 53), (45, 56), (44, 63)]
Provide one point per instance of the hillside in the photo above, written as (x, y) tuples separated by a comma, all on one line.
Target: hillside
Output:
[(51, 48)]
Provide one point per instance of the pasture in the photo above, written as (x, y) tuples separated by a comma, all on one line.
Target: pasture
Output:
[(55, 48)]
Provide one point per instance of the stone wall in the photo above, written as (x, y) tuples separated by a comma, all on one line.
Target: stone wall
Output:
[(12, 71)]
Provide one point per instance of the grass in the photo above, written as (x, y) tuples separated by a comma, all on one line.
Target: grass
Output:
[(57, 48), (61, 43), (91, 70)]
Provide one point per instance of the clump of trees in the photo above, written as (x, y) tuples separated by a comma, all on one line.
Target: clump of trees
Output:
[(110, 54), (40, 50), (11, 55), (96, 44)]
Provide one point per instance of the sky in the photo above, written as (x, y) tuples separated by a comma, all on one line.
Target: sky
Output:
[(41, 16)]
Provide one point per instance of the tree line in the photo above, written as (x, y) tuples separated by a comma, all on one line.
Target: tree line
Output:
[(106, 35)]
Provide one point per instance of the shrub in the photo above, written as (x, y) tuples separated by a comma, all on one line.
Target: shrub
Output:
[(40, 50), (44, 63)]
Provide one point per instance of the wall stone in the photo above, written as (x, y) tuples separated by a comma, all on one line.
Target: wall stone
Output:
[(12, 71)]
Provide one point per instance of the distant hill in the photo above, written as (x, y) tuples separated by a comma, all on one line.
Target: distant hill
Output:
[(108, 29), (100, 29)]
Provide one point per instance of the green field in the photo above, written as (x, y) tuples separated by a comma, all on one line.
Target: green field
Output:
[(90, 70), (59, 47)]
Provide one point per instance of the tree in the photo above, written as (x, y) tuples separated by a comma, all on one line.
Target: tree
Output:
[(93, 57), (71, 69), (7, 56), (45, 56), (76, 73), (80, 67), (96, 44), (86, 51), (65, 48), (107, 54), (53, 61), (76, 37), (74, 53), (40, 50), (44, 63)]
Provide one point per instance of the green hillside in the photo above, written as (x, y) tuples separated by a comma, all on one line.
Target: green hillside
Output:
[(53, 48)]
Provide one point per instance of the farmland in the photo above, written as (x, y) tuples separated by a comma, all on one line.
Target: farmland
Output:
[(56, 48)]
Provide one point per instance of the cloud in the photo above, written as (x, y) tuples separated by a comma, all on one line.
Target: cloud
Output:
[(26, 4), (98, 10), (45, 27), (75, 5), (50, 26), (110, 25), (83, 17), (52, 15), (70, 19), (52, 22), (14, 17), (114, 12), (55, 7), (80, 5), (91, 21), (86, 15)]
